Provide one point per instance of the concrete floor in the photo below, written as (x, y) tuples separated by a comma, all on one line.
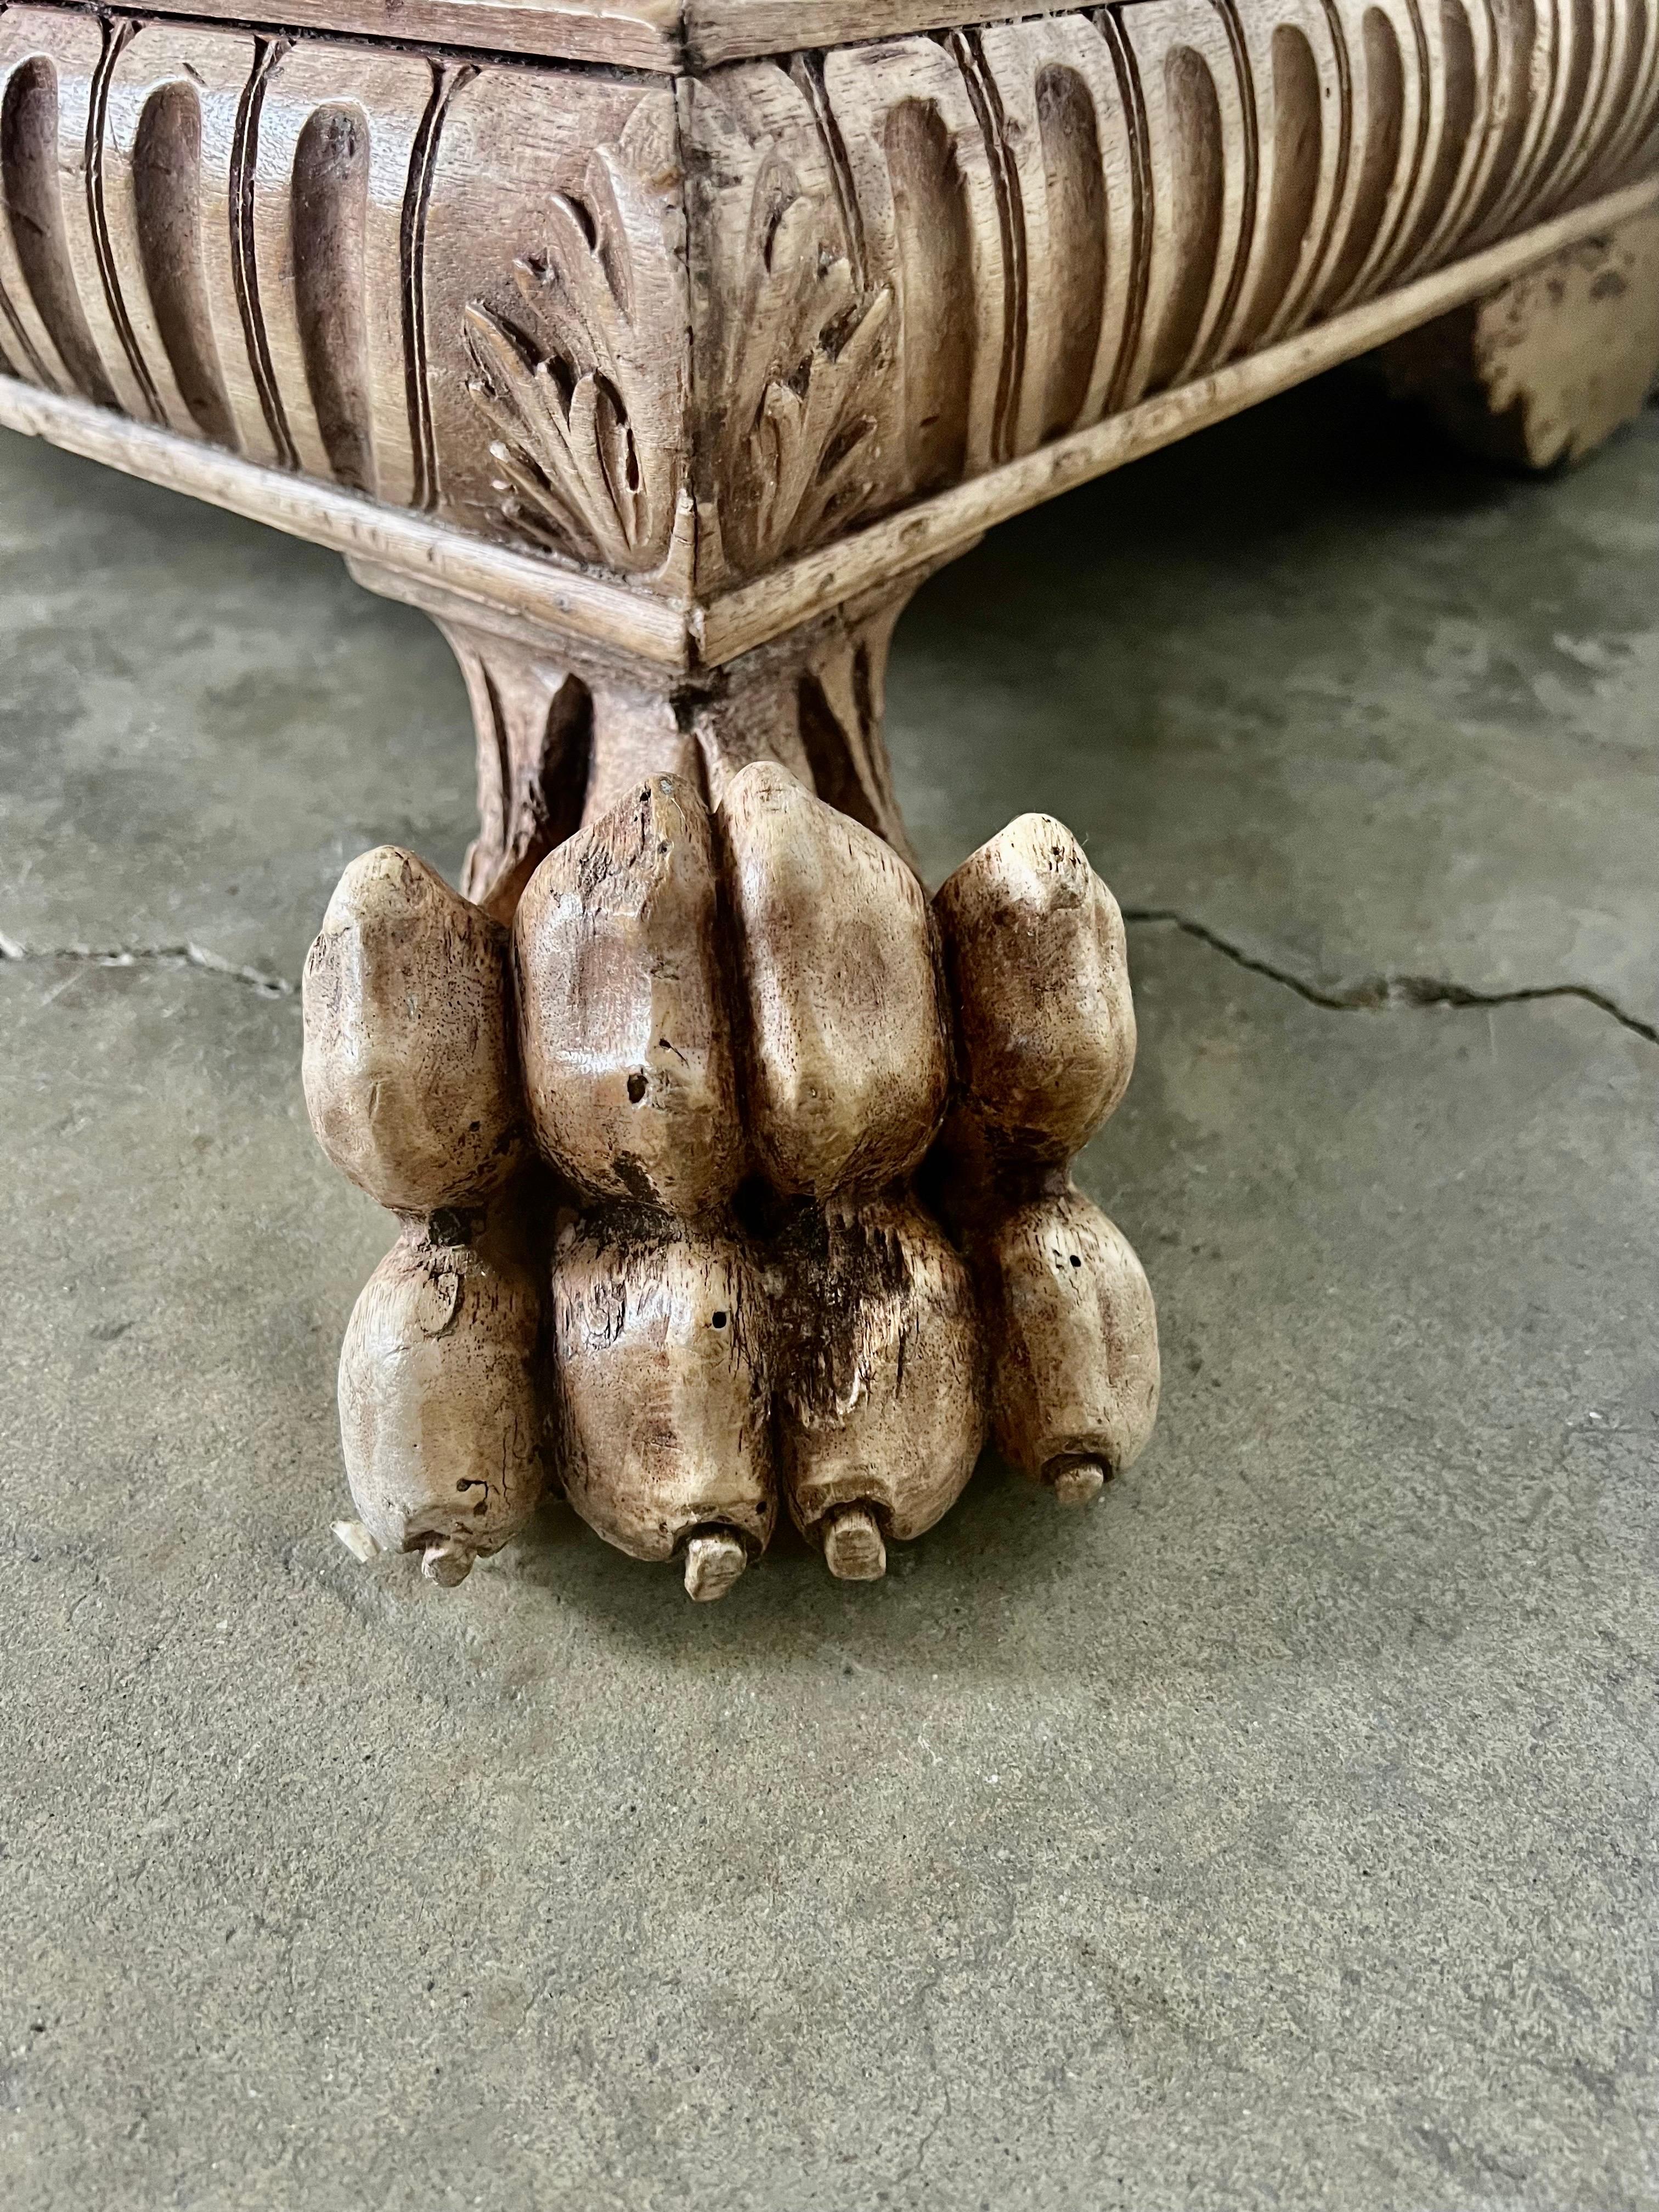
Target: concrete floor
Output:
[(1279, 1834)]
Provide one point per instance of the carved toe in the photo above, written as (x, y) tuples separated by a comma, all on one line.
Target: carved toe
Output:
[(1080, 1484), (713, 1563), (853, 1549)]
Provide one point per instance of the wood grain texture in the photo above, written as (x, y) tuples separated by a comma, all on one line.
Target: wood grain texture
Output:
[(1069, 1310), (735, 621), (691, 332), (1024, 229), (550, 607), (881, 1387), (659, 1338), (349, 262), (627, 1052), (1039, 974), (749, 1291), (565, 732), (412, 1083), (616, 34), (1035, 950), (845, 1064), (1542, 371), (410, 1070), (440, 1421), (763, 1282)]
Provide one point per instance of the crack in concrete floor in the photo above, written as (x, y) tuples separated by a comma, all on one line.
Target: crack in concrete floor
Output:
[(1366, 994), (1381, 993), (183, 954)]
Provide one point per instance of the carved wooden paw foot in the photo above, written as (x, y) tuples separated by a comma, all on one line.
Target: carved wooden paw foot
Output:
[(733, 1175)]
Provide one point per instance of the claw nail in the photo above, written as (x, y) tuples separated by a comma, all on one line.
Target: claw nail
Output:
[(853, 1549), (713, 1563), (1080, 1484), (448, 1563)]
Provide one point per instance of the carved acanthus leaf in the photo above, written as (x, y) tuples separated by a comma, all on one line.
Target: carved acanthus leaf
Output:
[(804, 348), (586, 399)]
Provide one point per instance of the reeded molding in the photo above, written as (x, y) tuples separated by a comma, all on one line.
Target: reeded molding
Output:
[(687, 334)]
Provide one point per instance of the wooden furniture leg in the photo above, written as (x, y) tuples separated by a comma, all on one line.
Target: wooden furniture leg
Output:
[(563, 730), (1540, 372), (801, 1229), (656, 361)]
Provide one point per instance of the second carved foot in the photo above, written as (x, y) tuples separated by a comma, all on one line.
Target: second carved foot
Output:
[(734, 1176)]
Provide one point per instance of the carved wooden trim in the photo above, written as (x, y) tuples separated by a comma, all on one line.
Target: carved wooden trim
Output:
[(322, 257), (1074, 213), (451, 574), (669, 35), (688, 335), (564, 732), (585, 385), (734, 620)]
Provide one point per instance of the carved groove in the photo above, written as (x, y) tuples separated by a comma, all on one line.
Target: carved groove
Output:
[(446, 83), (330, 207), (684, 335), (1293, 187), (244, 156), (935, 254), (1076, 198), (34, 208), (1385, 78), (1197, 175), (1011, 222), (166, 179), (118, 36)]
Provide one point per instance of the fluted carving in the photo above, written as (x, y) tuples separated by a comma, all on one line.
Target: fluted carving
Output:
[(684, 332), (1075, 211)]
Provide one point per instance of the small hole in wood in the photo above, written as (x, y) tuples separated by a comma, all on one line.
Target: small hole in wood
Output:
[(636, 1088), (1076, 1263), (717, 1320)]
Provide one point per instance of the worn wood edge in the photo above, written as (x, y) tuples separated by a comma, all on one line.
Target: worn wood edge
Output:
[(729, 30), (664, 37), (535, 591), (533, 597), (936, 528), (646, 35)]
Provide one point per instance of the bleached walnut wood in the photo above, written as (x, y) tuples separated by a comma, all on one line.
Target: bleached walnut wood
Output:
[(1039, 969), (438, 1413), (1080, 1483), (628, 1057), (846, 1068), (738, 1034), (659, 380), (1075, 1387), (656, 954), (532, 718), (686, 332), (713, 1563), (853, 1549), (1545, 368), (659, 1347), (409, 1067), (641, 34), (496, 589), (564, 734), (881, 1398), (1035, 949), (412, 1083)]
